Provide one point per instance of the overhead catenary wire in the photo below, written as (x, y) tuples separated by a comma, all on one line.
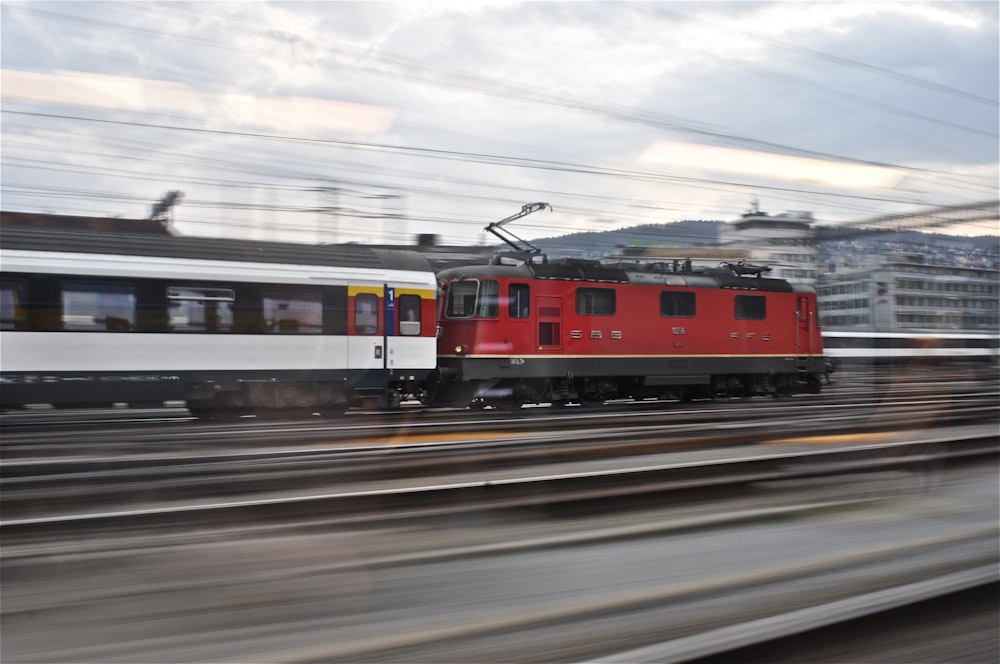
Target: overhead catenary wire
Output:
[(448, 77)]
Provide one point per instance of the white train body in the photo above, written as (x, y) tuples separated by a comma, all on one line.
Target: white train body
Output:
[(94, 318)]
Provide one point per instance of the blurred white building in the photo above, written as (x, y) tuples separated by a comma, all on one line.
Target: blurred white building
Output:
[(785, 242), (904, 294), (883, 293)]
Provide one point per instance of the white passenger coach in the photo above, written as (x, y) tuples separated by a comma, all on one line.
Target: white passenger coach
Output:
[(94, 318)]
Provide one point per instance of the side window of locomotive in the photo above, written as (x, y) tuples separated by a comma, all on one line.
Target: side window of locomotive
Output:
[(751, 307), (595, 301), (461, 299), (12, 314), (409, 315), (366, 313), (98, 307), (518, 302), (675, 304), (194, 309), (292, 310)]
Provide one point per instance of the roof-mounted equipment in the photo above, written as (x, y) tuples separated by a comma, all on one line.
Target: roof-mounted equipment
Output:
[(742, 269), (522, 249)]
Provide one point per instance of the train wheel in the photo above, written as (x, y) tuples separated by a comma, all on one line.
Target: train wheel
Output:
[(430, 392)]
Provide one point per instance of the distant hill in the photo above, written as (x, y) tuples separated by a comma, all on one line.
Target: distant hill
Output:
[(593, 244), (706, 233)]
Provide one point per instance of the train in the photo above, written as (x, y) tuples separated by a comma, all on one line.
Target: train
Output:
[(581, 331), (927, 355), (873, 348), (93, 318), (524, 329)]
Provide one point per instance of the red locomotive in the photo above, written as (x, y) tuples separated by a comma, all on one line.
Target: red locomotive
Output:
[(578, 331)]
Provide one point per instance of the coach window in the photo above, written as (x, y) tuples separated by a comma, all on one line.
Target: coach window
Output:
[(12, 315), (674, 304), (92, 306), (194, 309), (595, 301), (409, 315), (292, 310), (366, 313), (518, 301), (751, 307)]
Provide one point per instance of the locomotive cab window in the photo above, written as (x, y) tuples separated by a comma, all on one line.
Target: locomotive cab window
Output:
[(471, 298), (518, 302), (409, 315), (98, 307), (194, 309), (461, 299), (595, 301), (488, 303), (674, 304), (751, 307)]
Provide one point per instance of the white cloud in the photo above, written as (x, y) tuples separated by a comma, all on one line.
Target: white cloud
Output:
[(150, 96), (707, 158), (592, 84)]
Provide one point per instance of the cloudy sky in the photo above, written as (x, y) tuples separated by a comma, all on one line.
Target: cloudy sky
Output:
[(376, 121)]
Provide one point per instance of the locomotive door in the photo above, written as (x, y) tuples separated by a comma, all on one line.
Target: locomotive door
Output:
[(804, 330), (549, 322)]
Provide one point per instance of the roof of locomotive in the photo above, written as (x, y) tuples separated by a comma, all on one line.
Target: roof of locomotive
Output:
[(663, 274), (33, 238)]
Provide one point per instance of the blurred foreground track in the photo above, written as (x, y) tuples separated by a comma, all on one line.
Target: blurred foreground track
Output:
[(617, 538), (59, 474), (518, 585)]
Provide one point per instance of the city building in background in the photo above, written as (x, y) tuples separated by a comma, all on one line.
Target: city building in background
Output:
[(897, 288), (906, 293), (785, 242)]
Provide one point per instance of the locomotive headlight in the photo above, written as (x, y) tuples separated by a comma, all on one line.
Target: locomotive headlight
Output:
[(460, 349)]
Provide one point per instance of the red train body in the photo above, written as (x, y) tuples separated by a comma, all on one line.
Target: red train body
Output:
[(571, 331)]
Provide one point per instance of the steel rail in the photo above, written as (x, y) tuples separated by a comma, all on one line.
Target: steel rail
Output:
[(494, 489), (621, 602), (754, 632)]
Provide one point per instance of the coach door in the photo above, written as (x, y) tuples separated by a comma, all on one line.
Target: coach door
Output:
[(366, 341), (549, 322)]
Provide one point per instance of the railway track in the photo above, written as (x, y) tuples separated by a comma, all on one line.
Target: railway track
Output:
[(643, 538), (946, 620), (460, 454), (648, 583)]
